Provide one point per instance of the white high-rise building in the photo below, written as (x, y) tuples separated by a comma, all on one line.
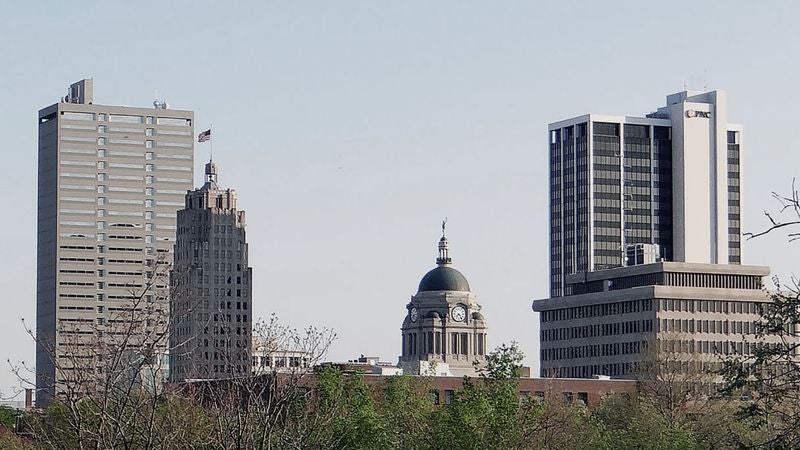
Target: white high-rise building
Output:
[(111, 179), (669, 180)]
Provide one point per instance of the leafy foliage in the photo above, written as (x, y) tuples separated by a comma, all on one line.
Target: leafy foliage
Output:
[(342, 411)]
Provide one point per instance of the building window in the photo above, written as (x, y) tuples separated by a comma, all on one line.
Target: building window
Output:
[(148, 214), (149, 155), (149, 167), (101, 189), (149, 203), (101, 153), (124, 118), (101, 225), (101, 177), (149, 179), (150, 120), (101, 141), (150, 131), (434, 396), (174, 121), (149, 191), (101, 165), (101, 213), (102, 117)]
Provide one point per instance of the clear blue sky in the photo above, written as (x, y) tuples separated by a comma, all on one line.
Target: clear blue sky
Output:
[(350, 129)]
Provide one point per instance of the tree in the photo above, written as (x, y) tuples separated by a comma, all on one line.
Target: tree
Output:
[(271, 409), (503, 363), (768, 380), (406, 408), (8, 441), (633, 422), (7, 416), (672, 383), (107, 386)]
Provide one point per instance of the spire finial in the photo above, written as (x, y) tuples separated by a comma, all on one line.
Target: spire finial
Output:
[(444, 250)]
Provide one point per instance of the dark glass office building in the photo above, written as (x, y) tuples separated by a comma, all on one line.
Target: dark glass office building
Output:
[(669, 180)]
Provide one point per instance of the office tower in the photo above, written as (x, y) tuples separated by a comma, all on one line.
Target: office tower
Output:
[(669, 180), (111, 179), (646, 243), (695, 313), (444, 332), (211, 329)]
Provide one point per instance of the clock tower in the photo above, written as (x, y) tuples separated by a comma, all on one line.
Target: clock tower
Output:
[(443, 332)]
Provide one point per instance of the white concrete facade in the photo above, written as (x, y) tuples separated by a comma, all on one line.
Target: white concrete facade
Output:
[(700, 172), (110, 182)]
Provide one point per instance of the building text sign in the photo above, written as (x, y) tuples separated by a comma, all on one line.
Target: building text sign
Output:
[(692, 113)]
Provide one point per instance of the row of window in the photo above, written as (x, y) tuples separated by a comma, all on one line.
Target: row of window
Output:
[(148, 179), (711, 306), (434, 343), (125, 118), (596, 330), (736, 327), (593, 350), (103, 129), (606, 309), (611, 369)]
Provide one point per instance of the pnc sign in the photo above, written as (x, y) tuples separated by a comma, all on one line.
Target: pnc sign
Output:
[(692, 113)]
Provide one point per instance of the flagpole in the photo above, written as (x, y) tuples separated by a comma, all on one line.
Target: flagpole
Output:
[(211, 143)]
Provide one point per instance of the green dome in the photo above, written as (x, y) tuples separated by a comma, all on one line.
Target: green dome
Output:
[(443, 278)]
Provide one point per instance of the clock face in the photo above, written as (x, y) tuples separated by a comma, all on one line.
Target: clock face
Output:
[(459, 313), (413, 314)]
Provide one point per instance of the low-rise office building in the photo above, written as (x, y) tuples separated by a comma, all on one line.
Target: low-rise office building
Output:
[(699, 313)]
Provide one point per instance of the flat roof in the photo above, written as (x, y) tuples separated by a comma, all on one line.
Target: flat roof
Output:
[(667, 266)]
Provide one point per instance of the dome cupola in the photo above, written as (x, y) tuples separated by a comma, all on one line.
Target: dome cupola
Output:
[(443, 277)]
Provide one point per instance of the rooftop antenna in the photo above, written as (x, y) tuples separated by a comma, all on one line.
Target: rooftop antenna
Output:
[(705, 79), (159, 103), (444, 224)]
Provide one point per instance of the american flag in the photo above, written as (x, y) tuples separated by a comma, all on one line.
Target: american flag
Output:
[(204, 136)]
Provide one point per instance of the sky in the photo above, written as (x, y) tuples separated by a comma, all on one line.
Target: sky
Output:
[(351, 129)]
